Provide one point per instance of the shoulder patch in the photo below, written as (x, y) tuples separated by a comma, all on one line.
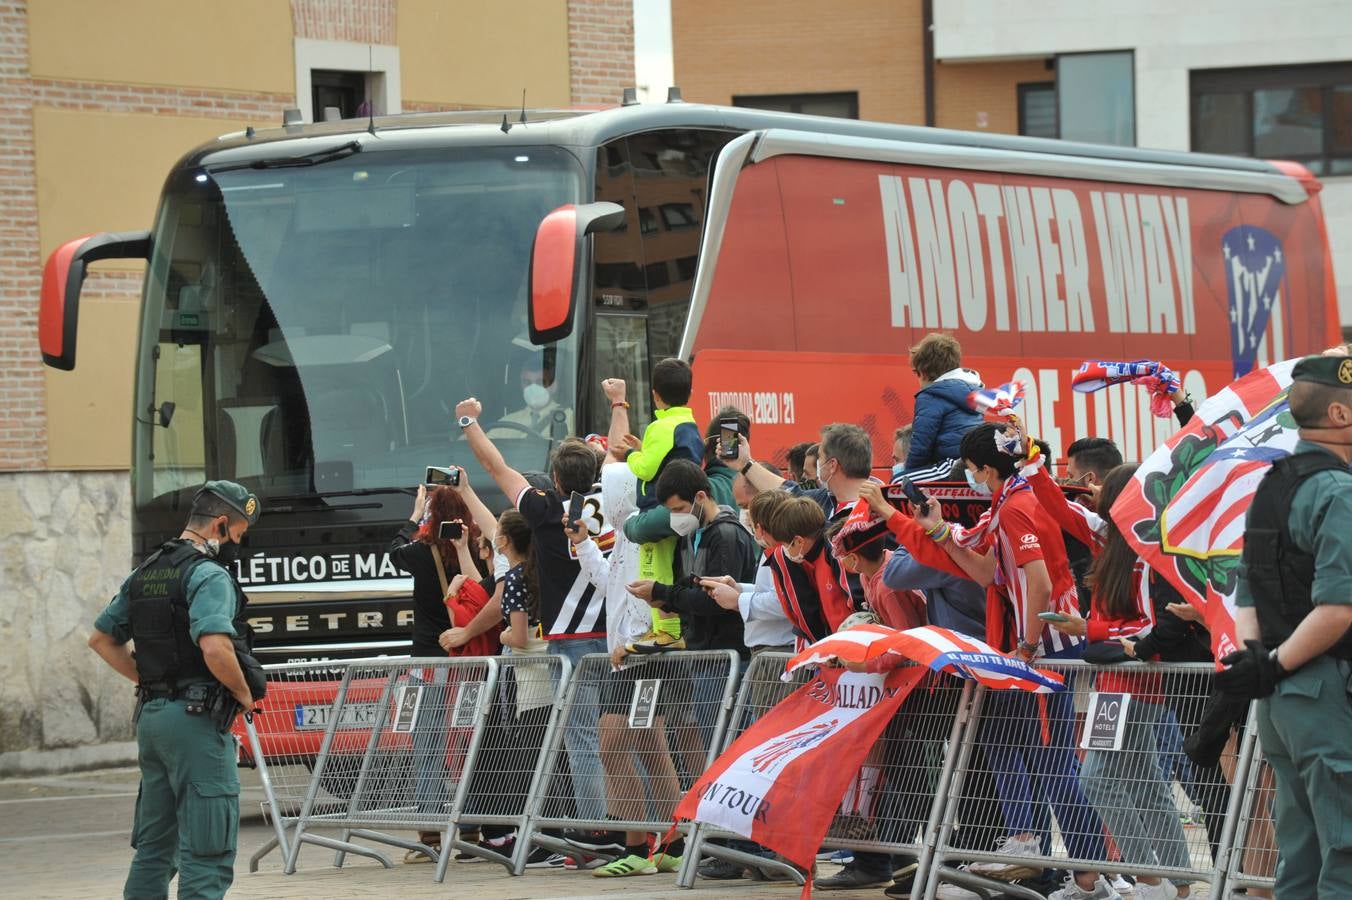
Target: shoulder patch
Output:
[(1028, 540)]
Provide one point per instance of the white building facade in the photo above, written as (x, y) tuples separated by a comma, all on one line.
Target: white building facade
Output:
[(1249, 77)]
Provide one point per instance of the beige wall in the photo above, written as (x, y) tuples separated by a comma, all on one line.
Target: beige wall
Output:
[(89, 409), (722, 49), (963, 90), (472, 54), (101, 171), (244, 45)]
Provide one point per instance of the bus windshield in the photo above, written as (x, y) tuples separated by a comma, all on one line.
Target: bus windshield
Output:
[(313, 327)]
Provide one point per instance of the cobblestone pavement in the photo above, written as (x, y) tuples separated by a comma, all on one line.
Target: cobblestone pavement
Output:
[(67, 836)]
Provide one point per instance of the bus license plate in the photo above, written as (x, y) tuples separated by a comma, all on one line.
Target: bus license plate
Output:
[(354, 715)]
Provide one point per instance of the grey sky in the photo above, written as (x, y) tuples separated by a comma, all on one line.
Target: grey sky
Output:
[(652, 49)]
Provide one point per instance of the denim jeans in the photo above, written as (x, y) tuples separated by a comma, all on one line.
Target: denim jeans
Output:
[(1030, 774), (429, 744), (1135, 802), (580, 735)]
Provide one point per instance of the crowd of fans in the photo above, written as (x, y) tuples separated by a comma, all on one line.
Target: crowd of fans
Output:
[(715, 552)]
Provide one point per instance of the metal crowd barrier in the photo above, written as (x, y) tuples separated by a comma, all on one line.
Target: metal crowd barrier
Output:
[(1253, 859), (1098, 781), (413, 727), (890, 806), (627, 745), (517, 723), (285, 740)]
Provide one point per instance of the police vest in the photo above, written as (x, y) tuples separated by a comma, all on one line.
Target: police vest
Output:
[(1281, 574), (166, 655)]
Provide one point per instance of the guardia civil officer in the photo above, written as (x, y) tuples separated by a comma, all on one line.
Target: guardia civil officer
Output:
[(1295, 599), (181, 608)]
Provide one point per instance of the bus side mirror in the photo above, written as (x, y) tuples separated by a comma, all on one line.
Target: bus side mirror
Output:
[(558, 273), (62, 278)]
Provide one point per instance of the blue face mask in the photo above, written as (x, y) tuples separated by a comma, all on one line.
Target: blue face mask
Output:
[(982, 489)]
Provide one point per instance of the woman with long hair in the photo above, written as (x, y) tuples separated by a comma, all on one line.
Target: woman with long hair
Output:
[(1127, 786), (514, 731), (419, 550), (434, 564)]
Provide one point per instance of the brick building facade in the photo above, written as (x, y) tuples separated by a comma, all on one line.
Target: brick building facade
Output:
[(594, 44), (97, 101)]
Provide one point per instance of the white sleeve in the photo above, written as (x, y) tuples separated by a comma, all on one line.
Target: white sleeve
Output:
[(593, 563), (760, 601)]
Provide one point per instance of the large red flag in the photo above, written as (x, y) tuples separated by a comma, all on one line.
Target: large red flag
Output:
[(1184, 510), (782, 781)]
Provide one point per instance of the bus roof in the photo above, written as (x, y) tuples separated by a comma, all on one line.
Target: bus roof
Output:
[(590, 128)]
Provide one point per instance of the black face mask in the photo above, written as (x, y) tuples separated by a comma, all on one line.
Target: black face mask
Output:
[(227, 550), (227, 553)]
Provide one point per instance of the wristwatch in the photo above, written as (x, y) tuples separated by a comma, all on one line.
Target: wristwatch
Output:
[(466, 421), (746, 468)]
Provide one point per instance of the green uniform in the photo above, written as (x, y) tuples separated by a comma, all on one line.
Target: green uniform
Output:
[(1306, 725), (187, 810)]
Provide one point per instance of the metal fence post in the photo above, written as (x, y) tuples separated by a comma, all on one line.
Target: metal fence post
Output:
[(1238, 814), (294, 850), (386, 693), (483, 703), (274, 808)]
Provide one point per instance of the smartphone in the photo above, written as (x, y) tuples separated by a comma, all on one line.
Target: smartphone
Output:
[(1053, 617), (451, 531), (575, 501), (914, 494), (442, 476), (728, 432)]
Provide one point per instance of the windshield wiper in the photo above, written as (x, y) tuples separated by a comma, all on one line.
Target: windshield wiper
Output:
[(315, 158), (355, 492)]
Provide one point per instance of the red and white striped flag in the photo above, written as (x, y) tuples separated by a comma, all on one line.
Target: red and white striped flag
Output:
[(945, 650), (781, 782)]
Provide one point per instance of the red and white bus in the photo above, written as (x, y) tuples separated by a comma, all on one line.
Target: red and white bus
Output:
[(317, 298), (825, 257)]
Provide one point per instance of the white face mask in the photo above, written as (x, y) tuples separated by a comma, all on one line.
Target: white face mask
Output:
[(684, 523), (745, 518), (981, 488), (535, 395), (793, 557)]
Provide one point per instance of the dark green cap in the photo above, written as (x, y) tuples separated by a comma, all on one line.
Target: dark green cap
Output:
[(1335, 371), (238, 496)]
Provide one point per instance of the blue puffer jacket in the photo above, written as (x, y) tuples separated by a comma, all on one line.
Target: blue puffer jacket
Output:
[(942, 417)]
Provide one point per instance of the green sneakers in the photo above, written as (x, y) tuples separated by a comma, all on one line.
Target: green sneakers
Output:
[(626, 866), (667, 863)]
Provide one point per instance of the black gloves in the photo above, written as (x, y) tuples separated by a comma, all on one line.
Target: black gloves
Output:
[(1253, 672)]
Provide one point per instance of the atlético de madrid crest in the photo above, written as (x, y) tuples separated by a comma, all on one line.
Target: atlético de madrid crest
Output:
[(1255, 275)]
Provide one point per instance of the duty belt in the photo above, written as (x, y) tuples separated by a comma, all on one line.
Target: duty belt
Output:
[(162, 692)]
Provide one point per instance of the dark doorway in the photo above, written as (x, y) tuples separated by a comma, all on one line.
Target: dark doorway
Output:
[(344, 90)]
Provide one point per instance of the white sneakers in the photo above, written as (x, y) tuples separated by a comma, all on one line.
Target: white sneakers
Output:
[(1010, 846), (1102, 891), (1165, 890)]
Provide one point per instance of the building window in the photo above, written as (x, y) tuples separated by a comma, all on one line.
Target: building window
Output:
[(346, 75), (1300, 113), (1096, 97), (345, 91), (1037, 109), (841, 105)]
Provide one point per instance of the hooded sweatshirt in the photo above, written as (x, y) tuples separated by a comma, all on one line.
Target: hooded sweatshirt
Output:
[(723, 547), (942, 417)]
